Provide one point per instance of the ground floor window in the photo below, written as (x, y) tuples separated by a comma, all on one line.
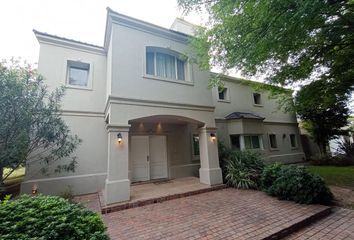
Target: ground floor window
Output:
[(240, 142), (273, 141), (195, 146), (293, 140)]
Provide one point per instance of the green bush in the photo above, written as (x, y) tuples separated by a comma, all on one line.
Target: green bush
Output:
[(298, 184), (270, 173), (49, 217), (242, 169)]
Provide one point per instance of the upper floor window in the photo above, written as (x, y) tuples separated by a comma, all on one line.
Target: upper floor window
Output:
[(78, 73), (223, 93), (257, 98), (164, 64)]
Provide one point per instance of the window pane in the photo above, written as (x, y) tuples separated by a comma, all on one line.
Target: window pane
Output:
[(78, 76), (150, 64), (180, 70), (292, 140), (257, 98), (255, 142), (195, 145), (248, 143), (165, 66), (222, 93), (235, 141), (273, 141)]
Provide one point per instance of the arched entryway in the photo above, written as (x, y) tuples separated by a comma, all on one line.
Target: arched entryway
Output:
[(163, 147)]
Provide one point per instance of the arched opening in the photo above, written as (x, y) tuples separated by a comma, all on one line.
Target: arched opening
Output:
[(163, 147)]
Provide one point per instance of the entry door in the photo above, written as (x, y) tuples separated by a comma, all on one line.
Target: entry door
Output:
[(148, 155), (139, 156), (158, 157)]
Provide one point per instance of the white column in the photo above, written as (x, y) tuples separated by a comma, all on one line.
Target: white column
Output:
[(209, 172), (117, 186)]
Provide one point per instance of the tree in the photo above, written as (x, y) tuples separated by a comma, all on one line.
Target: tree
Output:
[(324, 112), (31, 128), (286, 41)]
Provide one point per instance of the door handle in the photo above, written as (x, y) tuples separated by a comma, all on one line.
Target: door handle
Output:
[(147, 158)]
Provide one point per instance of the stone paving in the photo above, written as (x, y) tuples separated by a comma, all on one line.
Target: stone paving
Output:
[(223, 214), (339, 225)]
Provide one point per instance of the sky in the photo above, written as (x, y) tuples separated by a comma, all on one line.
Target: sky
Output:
[(82, 20)]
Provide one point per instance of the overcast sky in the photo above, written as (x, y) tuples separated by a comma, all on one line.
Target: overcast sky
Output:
[(82, 20)]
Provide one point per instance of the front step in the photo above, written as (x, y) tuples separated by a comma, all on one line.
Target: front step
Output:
[(139, 203), (301, 223)]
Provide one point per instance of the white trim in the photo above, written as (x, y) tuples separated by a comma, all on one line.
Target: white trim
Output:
[(287, 154)]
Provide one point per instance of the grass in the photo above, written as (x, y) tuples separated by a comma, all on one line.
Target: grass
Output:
[(15, 177), (337, 176)]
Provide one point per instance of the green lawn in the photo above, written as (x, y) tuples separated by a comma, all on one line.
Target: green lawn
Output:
[(338, 176)]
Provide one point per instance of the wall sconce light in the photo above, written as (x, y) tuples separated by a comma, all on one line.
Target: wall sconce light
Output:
[(213, 137), (119, 138), (34, 190)]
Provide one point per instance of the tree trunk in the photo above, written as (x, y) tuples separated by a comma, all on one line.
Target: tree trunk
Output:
[(1, 176)]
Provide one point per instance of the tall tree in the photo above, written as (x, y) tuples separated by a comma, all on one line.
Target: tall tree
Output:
[(31, 128), (324, 112), (286, 41)]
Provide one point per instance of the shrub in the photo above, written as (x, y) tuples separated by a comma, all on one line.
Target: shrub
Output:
[(298, 184), (49, 217), (270, 173), (243, 169)]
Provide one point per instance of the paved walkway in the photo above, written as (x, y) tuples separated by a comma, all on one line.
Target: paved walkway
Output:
[(339, 225), (223, 214)]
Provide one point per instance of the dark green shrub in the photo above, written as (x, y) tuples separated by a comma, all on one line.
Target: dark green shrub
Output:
[(49, 217), (298, 184), (242, 169), (270, 173)]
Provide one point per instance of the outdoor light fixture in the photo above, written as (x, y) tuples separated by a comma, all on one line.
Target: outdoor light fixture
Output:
[(119, 138), (213, 137), (34, 190)]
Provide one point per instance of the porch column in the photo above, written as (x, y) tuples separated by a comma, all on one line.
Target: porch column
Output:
[(209, 172), (117, 186)]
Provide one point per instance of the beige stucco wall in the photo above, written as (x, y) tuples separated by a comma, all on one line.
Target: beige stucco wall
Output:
[(241, 100), (128, 74)]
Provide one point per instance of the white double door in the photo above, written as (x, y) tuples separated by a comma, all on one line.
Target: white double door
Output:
[(148, 155)]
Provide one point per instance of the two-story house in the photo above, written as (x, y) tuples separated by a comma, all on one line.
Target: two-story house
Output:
[(145, 112)]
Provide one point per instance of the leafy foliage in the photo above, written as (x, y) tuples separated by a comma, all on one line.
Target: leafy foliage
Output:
[(270, 173), (347, 148), (285, 40), (242, 169), (31, 126), (298, 184), (323, 110), (48, 217)]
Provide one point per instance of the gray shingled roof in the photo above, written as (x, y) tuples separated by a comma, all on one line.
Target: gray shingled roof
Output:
[(243, 115)]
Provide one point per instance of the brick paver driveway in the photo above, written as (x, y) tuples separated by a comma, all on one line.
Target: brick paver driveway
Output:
[(223, 214), (339, 225)]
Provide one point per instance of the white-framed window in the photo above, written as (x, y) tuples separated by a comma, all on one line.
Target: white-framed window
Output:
[(235, 142), (78, 74), (257, 99), (223, 94), (293, 141), (273, 141), (252, 141), (166, 64), (195, 146)]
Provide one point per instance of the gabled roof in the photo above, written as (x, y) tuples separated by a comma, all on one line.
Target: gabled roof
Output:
[(243, 115)]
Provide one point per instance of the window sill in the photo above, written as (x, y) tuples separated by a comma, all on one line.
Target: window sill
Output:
[(78, 87), (258, 105), (274, 149), (224, 101), (294, 148), (168, 80)]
